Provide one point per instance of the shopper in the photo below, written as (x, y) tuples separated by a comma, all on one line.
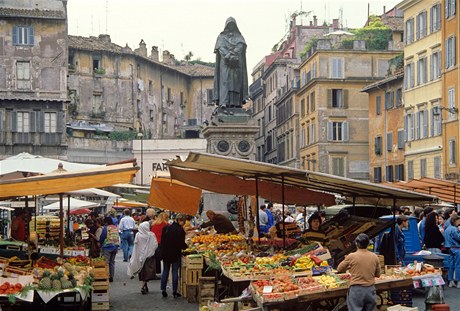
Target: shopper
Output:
[(142, 261), (221, 223), (433, 237), (364, 267), (421, 224), (94, 230), (452, 236), (158, 224), (400, 240), (271, 217), (172, 244), (109, 238), (126, 227), (314, 233), (263, 220), (449, 214)]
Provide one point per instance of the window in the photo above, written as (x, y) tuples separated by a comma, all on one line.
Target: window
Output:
[(97, 103), (336, 68), (409, 31), (389, 100), (312, 102), (409, 76), (169, 98), (377, 174), (421, 71), (337, 98), (338, 166), (389, 173), (435, 66), (400, 139), (378, 104), (151, 115), (436, 122), (421, 25), (449, 8), (97, 61), (23, 35), (450, 52), (22, 122), (410, 169), (150, 87), (312, 137), (23, 75), (313, 71), (422, 124), (337, 131), (302, 137), (409, 127), (378, 145), (452, 152), (437, 167), (435, 18), (50, 122), (138, 70), (398, 99), (390, 141), (422, 168), (182, 104), (209, 95), (302, 108), (451, 102), (399, 172)]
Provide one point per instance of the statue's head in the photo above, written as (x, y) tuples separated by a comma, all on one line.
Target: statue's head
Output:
[(230, 25)]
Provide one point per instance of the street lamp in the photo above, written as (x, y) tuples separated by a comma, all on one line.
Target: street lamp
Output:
[(141, 137)]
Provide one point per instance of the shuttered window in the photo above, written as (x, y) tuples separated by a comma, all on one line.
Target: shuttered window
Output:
[(337, 68), (23, 35)]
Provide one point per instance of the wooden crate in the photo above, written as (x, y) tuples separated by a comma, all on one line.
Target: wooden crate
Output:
[(193, 262), (382, 263), (206, 288), (192, 293), (100, 306), (100, 297), (101, 273), (192, 276), (101, 285), (98, 263)]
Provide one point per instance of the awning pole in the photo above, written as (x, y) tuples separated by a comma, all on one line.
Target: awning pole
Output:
[(68, 214), (26, 208), (282, 199), (61, 225), (257, 209), (393, 235), (305, 217)]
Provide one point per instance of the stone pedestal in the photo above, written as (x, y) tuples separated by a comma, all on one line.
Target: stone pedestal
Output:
[(231, 133)]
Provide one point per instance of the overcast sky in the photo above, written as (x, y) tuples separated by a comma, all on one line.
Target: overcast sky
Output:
[(180, 26)]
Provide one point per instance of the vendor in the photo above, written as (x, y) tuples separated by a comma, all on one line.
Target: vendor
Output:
[(18, 226), (314, 233), (221, 223)]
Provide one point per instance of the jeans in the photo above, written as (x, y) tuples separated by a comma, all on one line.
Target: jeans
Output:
[(175, 274), (361, 298), (110, 258), (454, 269), (127, 243)]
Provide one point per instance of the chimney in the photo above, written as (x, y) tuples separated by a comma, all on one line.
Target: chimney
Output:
[(154, 53), (335, 23), (105, 38), (166, 57), (172, 59), (311, 23), (315, 21), (127, 49), (142, 50), (384, 9)]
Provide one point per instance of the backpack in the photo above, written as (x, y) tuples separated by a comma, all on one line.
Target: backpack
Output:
[(113, 237)]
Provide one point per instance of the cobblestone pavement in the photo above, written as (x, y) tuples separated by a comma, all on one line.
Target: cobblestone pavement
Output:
[(125, 294)]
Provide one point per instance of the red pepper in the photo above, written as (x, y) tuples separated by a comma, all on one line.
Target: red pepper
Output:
[(316, 260), (293, 262)]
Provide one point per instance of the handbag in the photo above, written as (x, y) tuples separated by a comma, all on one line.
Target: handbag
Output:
[(148, 271)]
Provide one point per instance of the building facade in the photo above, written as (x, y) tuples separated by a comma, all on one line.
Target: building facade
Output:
[(386, 128), (33, 75), (333, 110), (121, 94), (422, 94)]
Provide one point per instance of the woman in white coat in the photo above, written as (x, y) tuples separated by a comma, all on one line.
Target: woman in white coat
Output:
[(142, 261)]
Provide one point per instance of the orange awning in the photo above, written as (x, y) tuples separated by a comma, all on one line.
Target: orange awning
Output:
[(67, 181), (229, 184), (174, 196)]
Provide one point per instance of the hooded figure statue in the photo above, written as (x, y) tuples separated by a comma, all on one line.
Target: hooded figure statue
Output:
[(230, 76)]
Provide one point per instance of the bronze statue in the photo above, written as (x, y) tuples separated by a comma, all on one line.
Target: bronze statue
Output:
[(230, 76)]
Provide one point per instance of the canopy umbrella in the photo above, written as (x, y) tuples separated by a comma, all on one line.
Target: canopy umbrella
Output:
[(80, 211), (174, 196), (74, 204)]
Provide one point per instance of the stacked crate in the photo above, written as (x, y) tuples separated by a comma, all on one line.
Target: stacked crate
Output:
[(206, 290), (402, 297), (100, 293), (191, 271)]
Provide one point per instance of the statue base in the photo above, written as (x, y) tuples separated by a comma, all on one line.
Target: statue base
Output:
[(231, 133)]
